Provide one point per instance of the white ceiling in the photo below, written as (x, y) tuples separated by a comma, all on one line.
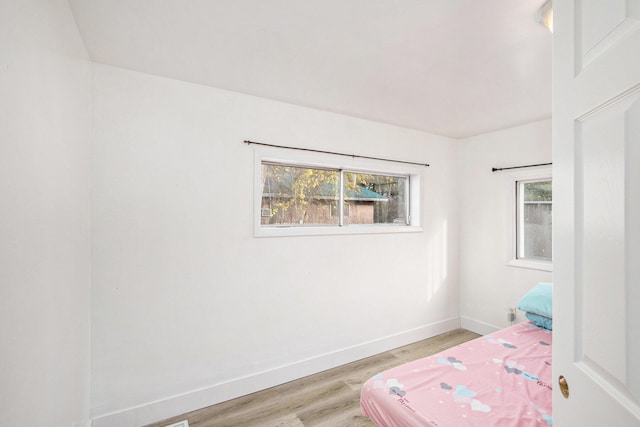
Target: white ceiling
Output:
[(450, 67)]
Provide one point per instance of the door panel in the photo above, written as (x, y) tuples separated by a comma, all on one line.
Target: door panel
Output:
[(603, 24), (632, 234), (600, 254)]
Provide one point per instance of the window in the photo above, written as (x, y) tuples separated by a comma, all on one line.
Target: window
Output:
[(299, 198), (531, 228), (533, 234), (305, 196)]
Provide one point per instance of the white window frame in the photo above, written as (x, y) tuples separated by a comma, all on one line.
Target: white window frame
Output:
[(539, 173), (328, 161)]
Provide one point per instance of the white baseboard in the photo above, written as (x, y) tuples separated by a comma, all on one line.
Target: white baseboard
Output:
[(477, 326), (196, 399)]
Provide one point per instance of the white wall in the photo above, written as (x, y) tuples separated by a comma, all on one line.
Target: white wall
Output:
[(44, 218), (488, 286), (188, 307)]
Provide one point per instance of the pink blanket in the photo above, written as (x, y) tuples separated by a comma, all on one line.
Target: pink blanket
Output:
[(502, 379)]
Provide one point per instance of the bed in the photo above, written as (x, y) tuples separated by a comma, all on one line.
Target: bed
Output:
[(502, 379)]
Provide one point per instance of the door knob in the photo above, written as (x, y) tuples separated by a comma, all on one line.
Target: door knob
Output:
[(564, 386)]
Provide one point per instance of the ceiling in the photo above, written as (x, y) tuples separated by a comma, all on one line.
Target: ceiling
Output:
[(451, 67)]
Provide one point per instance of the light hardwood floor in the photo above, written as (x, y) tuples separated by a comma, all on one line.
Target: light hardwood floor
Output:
[(327, 399)]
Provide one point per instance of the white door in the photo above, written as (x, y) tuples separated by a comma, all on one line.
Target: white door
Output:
[(596, 218)]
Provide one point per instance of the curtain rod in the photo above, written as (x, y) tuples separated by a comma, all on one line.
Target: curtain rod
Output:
[(336, 154), (519, 167)]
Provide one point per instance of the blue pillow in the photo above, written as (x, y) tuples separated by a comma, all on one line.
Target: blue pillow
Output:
[(538, 300), (543, 322)]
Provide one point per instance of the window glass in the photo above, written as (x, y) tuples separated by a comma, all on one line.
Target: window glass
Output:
[(293, 195), (534, 220), (375, 199)]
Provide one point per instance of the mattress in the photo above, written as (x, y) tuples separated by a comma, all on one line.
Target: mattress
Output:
[(502, 379)]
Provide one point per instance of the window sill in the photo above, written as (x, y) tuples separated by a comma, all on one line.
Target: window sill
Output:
[(333, 230), (531, 265)]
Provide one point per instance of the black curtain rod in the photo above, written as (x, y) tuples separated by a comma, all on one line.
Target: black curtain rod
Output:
[(336, 154), (519, 167)]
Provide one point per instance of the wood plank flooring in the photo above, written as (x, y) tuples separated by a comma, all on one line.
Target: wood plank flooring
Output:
[(327, 399)]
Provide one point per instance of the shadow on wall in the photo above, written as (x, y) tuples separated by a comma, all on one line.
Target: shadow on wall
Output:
[(438, 260)]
